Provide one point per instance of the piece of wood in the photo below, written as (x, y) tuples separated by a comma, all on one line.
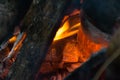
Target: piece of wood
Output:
[(41, 22)]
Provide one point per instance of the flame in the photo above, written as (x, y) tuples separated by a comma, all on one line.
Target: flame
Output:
[(87, 44), (66, 30), (13, 39), (61, 31)]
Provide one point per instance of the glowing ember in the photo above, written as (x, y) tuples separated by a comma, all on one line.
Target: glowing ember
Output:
[(87, 45)]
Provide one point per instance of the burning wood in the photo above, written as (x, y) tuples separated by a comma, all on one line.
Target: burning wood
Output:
[(16, 46), (9, 51), (71, 47)]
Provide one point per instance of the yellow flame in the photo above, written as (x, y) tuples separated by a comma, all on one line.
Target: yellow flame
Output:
[(60, 32), (13, 39), (66, 30)]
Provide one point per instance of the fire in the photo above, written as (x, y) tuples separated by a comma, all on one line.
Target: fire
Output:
[(62, 31), (72, 46), (69, 25), (9, 52), (86, 43), (13, 39), (66, 30)]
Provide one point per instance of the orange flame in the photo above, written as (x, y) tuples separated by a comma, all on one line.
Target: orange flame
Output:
[(60, 33), (13, 39), (66, 30)]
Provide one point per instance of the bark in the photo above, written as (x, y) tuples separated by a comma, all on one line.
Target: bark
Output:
[(41, 22)]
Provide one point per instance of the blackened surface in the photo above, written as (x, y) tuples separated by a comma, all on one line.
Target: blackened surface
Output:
[(42, 23), (102, 13)]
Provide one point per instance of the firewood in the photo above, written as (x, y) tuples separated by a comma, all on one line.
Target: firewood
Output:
[(41, 21)]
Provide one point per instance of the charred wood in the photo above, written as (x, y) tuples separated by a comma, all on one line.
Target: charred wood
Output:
[(41, 23)]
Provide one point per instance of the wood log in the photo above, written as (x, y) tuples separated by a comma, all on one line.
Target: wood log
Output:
[(41, 22)]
